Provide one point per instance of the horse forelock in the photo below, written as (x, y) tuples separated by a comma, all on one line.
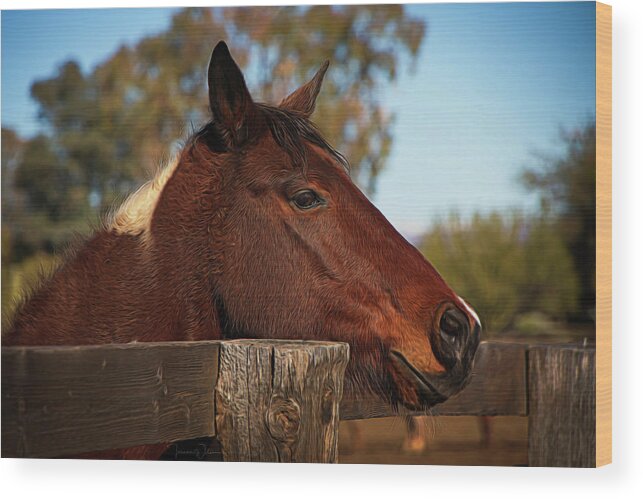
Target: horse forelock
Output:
[(292, 131)]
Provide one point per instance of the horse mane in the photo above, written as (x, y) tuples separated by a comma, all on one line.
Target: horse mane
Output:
[(290, 131), (134, 215)]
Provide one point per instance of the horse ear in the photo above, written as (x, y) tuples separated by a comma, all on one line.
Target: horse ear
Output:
[(230, 102), (303, 99)]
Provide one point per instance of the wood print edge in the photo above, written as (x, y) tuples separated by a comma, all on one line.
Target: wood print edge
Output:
[(603, 234)]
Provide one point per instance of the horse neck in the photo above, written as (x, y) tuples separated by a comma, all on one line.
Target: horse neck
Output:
[(116, 289), (152, 284)]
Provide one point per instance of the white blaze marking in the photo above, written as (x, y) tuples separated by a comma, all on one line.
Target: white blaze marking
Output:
[(471, 311)]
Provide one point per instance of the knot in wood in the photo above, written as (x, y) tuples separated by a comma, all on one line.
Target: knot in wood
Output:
[(283, 419)]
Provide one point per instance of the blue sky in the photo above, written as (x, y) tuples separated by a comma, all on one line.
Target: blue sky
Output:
[(493, 84)]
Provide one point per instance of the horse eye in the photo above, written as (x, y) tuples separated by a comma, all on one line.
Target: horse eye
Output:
[(305, 200)]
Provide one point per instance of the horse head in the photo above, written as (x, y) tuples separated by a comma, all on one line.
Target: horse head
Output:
[(295, 250)]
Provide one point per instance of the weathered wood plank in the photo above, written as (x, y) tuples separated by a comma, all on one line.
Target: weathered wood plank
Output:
[(498, 387), (278, 401), (68, 400), (562, 406)]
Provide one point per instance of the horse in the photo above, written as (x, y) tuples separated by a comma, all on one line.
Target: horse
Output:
[(257, 231)]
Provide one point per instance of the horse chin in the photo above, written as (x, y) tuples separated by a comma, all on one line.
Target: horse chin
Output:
[(427, 395)]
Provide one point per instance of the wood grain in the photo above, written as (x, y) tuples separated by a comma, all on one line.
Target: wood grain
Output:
[(278, 401), (603, 234), (273, 401), (60, 401), (498, 387), (562, 406)]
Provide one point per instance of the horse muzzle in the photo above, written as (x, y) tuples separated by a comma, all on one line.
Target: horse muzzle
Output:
[(454, 345)]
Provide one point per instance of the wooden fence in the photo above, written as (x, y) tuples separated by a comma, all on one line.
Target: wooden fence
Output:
[(278, 401)]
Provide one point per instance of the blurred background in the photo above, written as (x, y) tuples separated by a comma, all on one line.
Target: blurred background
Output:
[(471, 126)]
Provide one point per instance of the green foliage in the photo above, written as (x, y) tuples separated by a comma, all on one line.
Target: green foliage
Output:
[(567, 186), (505, 266), (43, 178)]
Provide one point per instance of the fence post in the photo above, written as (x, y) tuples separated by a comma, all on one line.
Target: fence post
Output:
[(278, 401), (562, 406)]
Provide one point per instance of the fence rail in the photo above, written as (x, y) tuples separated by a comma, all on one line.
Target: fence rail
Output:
[(498, 387), (269, 400)]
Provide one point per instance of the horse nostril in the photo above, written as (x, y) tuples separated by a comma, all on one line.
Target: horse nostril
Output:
[(451, 346), (454, 328)]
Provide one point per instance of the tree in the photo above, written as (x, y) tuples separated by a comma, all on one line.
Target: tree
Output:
[(12, 147), (110, 127), (567, 187), (366, 46), (44, 179)]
